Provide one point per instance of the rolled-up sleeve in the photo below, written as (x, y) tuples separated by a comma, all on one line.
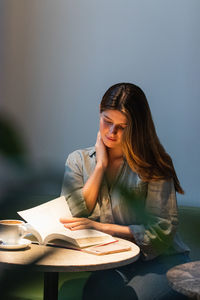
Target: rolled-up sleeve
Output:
[(73, 185), (157, 232)]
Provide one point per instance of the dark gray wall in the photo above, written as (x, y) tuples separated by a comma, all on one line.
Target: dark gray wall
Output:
[(60, 56)]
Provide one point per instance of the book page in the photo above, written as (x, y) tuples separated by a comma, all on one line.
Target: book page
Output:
[(80, 238), (45, 217)]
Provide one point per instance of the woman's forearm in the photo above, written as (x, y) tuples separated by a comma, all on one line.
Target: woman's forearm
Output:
[(116, 230), (92, 186)]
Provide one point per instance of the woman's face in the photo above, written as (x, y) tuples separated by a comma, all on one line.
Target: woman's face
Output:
[(112, 125)]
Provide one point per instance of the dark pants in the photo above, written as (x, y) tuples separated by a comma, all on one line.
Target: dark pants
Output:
[(142, 280)]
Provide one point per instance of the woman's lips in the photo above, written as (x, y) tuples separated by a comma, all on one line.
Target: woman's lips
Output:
[(110, 139)]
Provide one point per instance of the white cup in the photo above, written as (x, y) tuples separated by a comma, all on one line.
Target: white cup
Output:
[(12, 231)]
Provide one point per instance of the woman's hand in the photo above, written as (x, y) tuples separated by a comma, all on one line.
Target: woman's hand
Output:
[(112, 229), (101, 152), (92, 186), (80, 223)]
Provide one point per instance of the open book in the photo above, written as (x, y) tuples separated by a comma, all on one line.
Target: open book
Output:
[(43, 223)]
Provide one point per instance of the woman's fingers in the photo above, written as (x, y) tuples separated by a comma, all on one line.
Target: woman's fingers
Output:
[(70, 220), (75, 226), (98, 136), (76, 223), (101, 152), (79, 227)]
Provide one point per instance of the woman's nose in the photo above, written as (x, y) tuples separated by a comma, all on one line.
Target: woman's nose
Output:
[(113, 129)]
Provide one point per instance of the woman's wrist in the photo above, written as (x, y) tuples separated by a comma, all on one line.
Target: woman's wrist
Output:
[(104, 227), (100, 166), (115, 230), (100, 226)]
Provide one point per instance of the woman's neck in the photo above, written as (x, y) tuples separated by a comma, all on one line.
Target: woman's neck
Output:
[(115, 154)]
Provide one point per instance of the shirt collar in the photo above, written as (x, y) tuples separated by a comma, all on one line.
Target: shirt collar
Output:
[(92, 151)]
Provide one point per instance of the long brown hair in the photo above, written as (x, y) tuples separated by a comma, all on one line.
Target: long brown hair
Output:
[(141, 146)]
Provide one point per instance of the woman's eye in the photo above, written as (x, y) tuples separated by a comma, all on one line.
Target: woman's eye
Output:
[(108, 122), (121, 128)]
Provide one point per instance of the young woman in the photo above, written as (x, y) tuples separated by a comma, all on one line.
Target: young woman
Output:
[(127, 154)]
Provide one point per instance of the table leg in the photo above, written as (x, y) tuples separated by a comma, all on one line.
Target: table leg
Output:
[(50, 286)]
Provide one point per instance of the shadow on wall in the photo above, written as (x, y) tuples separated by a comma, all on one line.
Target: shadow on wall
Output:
[(21, 185)]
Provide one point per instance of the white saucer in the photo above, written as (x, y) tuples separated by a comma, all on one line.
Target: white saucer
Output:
[(22, 244)]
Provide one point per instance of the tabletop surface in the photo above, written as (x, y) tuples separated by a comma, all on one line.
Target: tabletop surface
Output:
[(185, 279), (56, 259)]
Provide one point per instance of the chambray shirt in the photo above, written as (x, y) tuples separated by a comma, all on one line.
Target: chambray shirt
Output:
[(153, 223)]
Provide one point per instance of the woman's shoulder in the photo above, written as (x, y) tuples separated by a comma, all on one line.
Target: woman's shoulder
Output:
[(89, 151), (81, 154)]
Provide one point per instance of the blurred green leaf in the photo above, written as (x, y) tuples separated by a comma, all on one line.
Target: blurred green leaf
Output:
[(12, 146)]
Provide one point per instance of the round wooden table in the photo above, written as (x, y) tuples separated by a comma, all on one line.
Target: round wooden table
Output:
[(52, 260), (185, 279)]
